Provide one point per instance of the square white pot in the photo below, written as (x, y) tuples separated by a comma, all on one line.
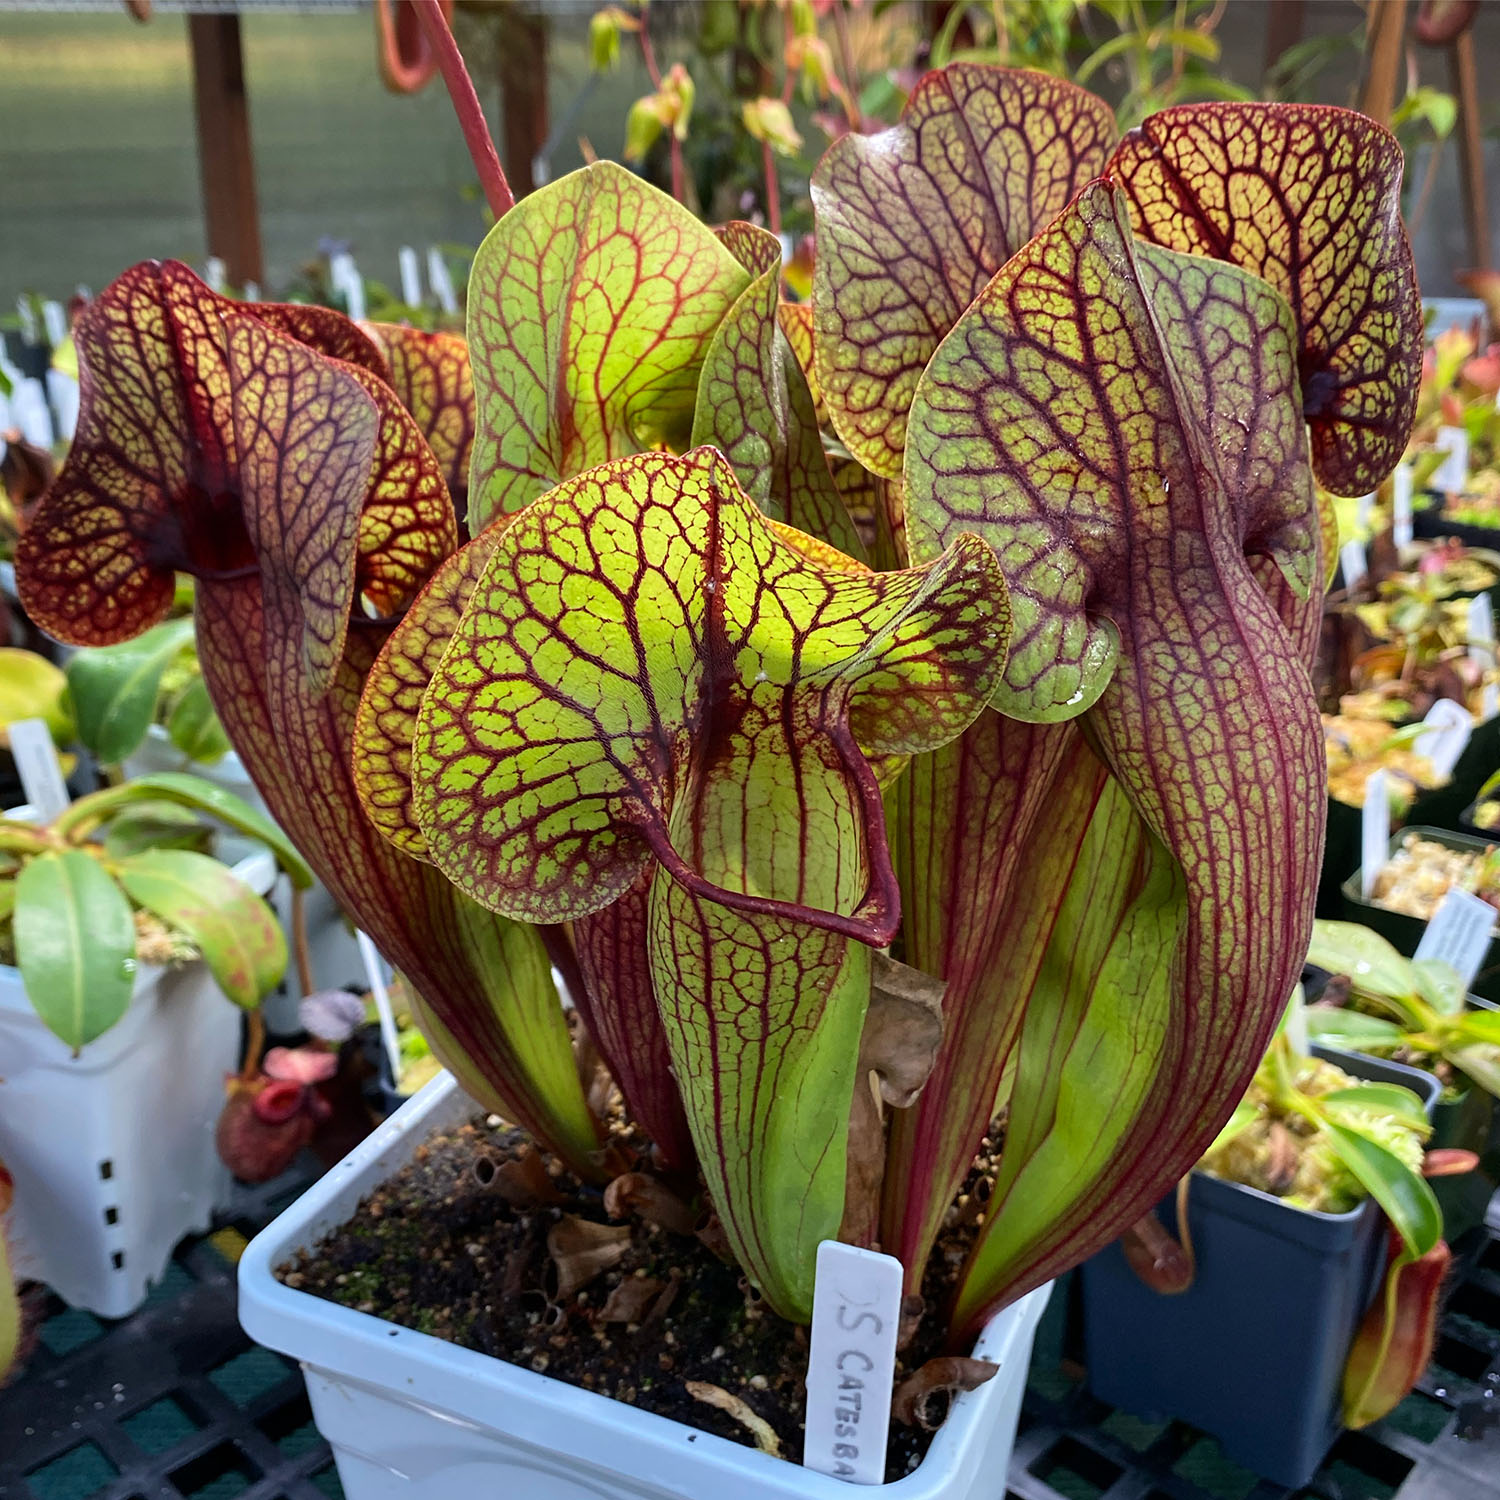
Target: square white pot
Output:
[(410, 1417), (113, 1150)]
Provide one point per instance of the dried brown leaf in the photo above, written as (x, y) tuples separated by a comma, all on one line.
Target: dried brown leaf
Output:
[(912, 1405), (650, 1199), (581, 1250), (715, 1395), (630, 1301)]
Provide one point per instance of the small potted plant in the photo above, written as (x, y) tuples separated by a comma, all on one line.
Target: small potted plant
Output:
[(119, 945), (1415, 1012), (645, 723), (1288, 1209)]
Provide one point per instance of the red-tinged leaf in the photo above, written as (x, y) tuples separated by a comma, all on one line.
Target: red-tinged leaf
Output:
[(652, 682), (618, 1005), (278, 566), (1307, 197), (615, 997), (430, 375), (796, 320), (1124, 423), (151, 484), (640, 585), (325, 330), (755, 407), (591, 305), (985, 836), (914, 221)]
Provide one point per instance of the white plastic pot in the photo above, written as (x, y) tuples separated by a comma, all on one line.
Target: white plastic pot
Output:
[(410, 1417), (112, 1151)]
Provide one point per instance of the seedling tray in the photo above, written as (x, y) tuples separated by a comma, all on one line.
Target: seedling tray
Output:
[(1404, 932)]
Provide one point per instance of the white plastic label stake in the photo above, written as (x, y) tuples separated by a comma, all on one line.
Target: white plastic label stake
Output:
[(1363, 506), (1375, 833), (1401, 508), (36, 761), (382, 1002), (343, 276), (440, 281), (1459, 933), (1481, 629), (1489, 701), (411, 276), (252, 291), (1445, 741), (1352, 562), (1452, 475), (215, 273), (56, 321), (851, 1362)]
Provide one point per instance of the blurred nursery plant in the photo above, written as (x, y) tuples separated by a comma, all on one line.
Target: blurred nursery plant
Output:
[(649, 719), (100, 889), (1411, 1009)]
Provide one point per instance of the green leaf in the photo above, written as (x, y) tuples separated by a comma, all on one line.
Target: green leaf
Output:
[(1352, 1030), (155, 825), (194, 727), (591, 306), (75, 945), (1442, 986), (193, 791), (1480, 1062), (1366, 957), (114, 688), (1480, 1026), (236, 932), (1404, 1195), (1378, 1098), (755, 407), (1244, 1116)]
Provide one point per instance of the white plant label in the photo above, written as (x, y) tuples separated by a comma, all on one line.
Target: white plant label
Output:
[(215, 273), (56, 321), (1459, 933), (1362, 508), (1481, 630), (252, 291), (411, 276), (440, 281), (382, 998), (1375, 833), (851, 1362), (343, 276), (1401, 489), (1401, 507), (36, 761), (1352, 562), (1489, 701), (1452, 475), (1444, 742)]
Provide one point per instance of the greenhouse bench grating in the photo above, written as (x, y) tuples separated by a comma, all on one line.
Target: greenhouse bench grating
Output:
[(175, 1403)]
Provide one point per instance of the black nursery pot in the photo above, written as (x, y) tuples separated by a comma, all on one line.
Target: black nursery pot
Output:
[(1430, 525), (1253, 1352), (1404, 932)]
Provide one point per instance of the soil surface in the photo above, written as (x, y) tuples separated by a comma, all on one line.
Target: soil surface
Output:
[(439, 1250)]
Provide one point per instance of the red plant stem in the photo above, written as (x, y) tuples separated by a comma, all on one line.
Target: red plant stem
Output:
[(846, 62), (653, 72), (467, 107), (773, 189), (255, 1042), (299, 942)]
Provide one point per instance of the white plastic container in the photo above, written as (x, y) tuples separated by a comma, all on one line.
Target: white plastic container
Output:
[(113, 1151), (410, 1417)]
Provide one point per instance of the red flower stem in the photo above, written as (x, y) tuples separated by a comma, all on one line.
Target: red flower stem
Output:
[(773, 189), (846, 57), (467, 107), (653, 72)]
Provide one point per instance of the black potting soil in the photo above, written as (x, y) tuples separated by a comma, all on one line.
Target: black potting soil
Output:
[(436, 1250)]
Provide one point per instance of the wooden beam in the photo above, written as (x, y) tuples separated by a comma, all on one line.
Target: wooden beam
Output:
[(1385, 44), (225, 160), (521, 46), (1470, 148), (1283, 30)]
